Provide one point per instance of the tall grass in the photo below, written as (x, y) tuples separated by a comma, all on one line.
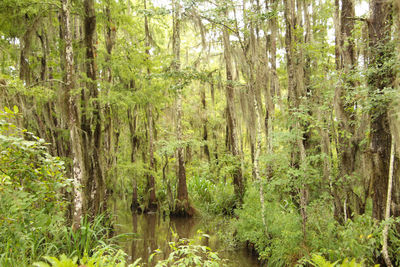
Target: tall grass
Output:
[(22, 248), (90, 235)]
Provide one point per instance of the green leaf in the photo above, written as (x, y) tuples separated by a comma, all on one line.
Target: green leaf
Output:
[(40, 264), (7, 110)]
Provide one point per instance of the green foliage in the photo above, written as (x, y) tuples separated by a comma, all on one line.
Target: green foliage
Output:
[(319, 261), (281, 246), (211, 195), (102, 257), (34, 189), (186, 253), (31, 205), (83, 240), (16, 15), (358, 239), (64, 261)]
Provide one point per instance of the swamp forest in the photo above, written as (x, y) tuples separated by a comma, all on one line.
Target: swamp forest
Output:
[(199, 133)]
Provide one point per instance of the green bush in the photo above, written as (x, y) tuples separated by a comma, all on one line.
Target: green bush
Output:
[(212, 197), (31, 203), (320, 261), (186, 252), (281, 246), (87, 238), (33, 187), (102, 257)]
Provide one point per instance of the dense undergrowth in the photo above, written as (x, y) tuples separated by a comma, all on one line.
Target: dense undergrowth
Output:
[(280, 242), (34, 204), (34, 225)]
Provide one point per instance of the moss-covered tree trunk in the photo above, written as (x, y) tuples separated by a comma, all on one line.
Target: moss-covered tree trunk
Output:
[(182, 207), (231, 117), (151, 185), (381, 76), (92, 127), (294, 41), (71, 114)]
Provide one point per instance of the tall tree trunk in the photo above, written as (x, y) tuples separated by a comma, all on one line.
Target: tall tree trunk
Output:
[(381, 76), (94, 137), (24, 70), (275, 88), (385, 231), (272, 89), (151, 188), (296, 93), (231, 117), (152, 205), (182, 207), (256, 162), (345, 63), (72, 115), (134, 141), (110, 131), (256, 73), (204, 121)]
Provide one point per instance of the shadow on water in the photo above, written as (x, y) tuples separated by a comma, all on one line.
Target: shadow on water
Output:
[(155, 232)]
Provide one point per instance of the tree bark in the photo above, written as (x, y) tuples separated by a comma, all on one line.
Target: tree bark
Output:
[(387, 210), (231, 117), (72, 115), (182, 207), (151, 188), (111, 132), (296, 94), (134, 141), (152, 205), (381, 76), (95, 180), (275, 88), (204, 121), (344, 108)]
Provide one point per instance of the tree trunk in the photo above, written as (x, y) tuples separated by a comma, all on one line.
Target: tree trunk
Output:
[(231, 117), (95, 179), (272, 89), (151, 188), (296, 94), (345, 64), (182, 207), (72, 115), (110, 131), (275, 88), (152, 205), (134, 141), (381, 76), (204, 121), (387, 210)]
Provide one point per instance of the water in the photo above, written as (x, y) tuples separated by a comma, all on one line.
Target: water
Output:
[(155, 232)]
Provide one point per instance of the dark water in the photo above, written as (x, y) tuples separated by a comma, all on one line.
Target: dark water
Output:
[(155, 232)]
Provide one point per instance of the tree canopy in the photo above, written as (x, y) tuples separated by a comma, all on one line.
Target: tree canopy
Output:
[(281, 115)]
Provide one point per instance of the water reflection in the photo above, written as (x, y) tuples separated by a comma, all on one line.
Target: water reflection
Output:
[(155, 232)]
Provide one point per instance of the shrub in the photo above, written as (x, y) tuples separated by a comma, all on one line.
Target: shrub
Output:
[(186, 252), (281, 246), (102, 257), (31, 203), (213, 197)]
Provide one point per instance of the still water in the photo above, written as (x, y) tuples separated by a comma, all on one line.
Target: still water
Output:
[(155, 232)]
